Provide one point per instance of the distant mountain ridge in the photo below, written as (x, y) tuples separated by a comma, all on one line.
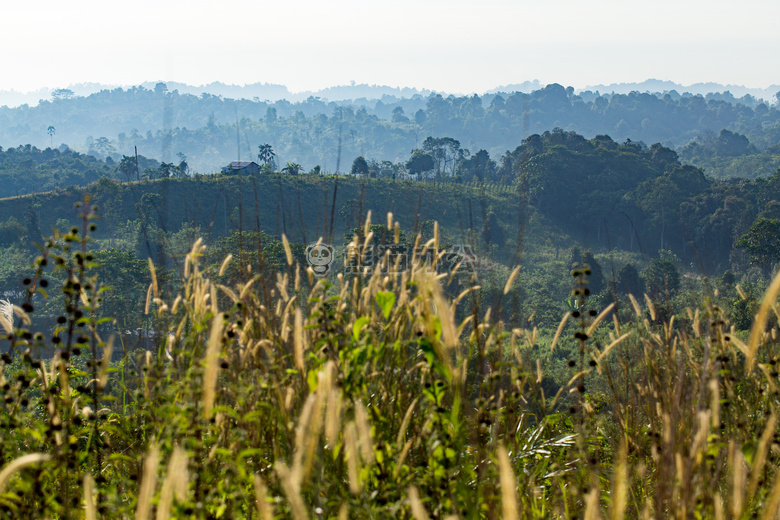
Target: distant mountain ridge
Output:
[(261, 91), (656, 85), (275, 92)]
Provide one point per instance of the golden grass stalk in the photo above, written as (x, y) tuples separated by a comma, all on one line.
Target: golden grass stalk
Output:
[(7, 316), (22, 315), (298, 339), (364, 433), (760, 321), (719, 514), (313, 431), (635, 304), (738, 343), (64, 378), (90, 510), (560, 329), (435, 243), (291, 486), (148, 299), (699, 442), (303, 430), (508, 486), (287, 250), (696, 326), (401, 458), (592, 509), (650, 307), (437, 306), (616, 321), (225, 263), (20, 463), (107, 350), (148, 485), (511, 280), (367, 225), (228, 292), (153, 273), (175, 484), (738, 469), (265, 509), (612, 345), (405, 423), (83, 297), (714, 402), (213, 351), (333, 417), (600, 317), (772, 508), (759, 459), (418, 510), (352, 453), (620, 485)]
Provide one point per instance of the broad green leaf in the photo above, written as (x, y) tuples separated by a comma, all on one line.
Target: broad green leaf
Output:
[(427, 347), (312, 380), (437, 328), (385, 300), (749, 451)]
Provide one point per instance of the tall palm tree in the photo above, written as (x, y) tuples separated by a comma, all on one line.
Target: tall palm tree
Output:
[(51, 131), (266, 154)]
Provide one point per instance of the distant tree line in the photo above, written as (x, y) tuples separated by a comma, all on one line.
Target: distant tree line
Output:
[(318, 132)]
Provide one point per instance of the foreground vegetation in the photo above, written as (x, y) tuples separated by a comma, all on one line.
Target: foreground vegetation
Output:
[(378, 396)]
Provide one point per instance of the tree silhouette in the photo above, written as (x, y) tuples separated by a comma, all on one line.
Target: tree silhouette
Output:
[(266, 153), (359, 166), (762, 243), (419, 163), (51, 131), (128, 167), (292, 168)]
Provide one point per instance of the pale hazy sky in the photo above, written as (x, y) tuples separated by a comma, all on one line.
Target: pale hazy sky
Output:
[(452, 45)]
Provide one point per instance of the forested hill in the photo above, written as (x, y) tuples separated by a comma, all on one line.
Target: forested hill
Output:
[(303, 207), (638, 198), (596, 191), (211, 131), (27, 169)]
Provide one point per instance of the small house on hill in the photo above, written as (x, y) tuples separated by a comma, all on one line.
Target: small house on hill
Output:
[(242, 167)]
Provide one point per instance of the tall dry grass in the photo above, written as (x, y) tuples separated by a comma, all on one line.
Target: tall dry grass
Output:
[(373, 397)]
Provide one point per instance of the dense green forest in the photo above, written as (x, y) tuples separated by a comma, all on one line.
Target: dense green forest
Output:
[(212, 130), (638, 209)]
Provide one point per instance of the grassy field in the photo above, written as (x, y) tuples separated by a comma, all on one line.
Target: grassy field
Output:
[(378, 396)]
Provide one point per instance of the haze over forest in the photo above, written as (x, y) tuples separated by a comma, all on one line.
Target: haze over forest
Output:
[(277, 92), (540, 201), (214, 127)]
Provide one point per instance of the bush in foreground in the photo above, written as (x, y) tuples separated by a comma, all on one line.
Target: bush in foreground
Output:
[(370, 397)]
